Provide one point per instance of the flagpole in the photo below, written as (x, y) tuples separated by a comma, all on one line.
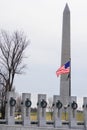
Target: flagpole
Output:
[(70, 79)]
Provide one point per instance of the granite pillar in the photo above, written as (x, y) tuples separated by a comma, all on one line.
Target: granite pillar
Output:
[(41, 110), (57, 111), (10, 108), (72, 110), (26, 108)]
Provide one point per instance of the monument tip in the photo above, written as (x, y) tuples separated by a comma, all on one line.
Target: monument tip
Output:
[(66, 9)]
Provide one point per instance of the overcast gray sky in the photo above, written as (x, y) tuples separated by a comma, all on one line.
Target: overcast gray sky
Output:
[(41, 21)]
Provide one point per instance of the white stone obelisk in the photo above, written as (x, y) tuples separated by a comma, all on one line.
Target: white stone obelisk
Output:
[(65, 84)]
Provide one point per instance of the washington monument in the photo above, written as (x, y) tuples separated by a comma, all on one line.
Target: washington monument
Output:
[(65, 84)]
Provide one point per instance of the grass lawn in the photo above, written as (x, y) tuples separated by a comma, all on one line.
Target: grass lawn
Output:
[(49, 116), (64, 117)]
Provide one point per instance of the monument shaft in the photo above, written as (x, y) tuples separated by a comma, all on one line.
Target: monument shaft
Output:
[(65, 84)]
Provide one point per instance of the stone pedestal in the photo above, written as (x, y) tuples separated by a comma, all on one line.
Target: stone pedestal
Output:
[(26, 108), (41, 110), (57, 111), (10, 108), (72, 112), (85, 111)]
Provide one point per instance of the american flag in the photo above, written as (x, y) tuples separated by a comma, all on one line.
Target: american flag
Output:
[(63, 69)]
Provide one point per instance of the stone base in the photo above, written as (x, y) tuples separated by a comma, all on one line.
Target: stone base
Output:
[(19, 127)]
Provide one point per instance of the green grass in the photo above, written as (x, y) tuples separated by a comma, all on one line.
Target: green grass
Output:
[(79, 116), (33, 116)]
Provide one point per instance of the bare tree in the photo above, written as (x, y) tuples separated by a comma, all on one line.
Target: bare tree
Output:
[(50, 106), (18, 104), (12, 48)]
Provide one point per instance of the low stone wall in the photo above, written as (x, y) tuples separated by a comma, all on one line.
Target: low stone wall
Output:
[(57, 123), (6, 127)]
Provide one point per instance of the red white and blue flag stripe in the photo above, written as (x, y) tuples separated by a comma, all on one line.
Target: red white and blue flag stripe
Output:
[(63, 69)]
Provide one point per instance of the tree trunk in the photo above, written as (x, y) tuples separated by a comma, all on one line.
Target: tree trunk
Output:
[(3, 112)]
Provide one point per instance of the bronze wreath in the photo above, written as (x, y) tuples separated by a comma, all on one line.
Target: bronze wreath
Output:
[(12, 102), (43, 103), (28, 103), (59, 104), (74, 105)]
